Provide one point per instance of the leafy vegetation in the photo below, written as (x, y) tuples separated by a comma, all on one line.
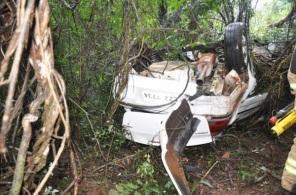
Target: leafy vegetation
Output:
[(266, 13), (147, 183)]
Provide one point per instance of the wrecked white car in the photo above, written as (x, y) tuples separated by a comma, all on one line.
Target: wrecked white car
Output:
[(179, 103)]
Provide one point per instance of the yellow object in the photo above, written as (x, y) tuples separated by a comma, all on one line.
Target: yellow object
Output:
[(285, 123)]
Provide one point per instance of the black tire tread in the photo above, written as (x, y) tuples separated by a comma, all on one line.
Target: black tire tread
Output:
[(234, 55)]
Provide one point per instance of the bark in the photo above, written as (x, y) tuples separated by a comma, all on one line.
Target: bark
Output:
[(26, 138), (50, 94), (23, 36), (22, 154)]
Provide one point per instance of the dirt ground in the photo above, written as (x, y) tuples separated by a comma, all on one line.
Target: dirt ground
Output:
[(246, 159)]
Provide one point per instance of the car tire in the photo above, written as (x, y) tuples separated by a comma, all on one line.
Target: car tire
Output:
[(235, 47)]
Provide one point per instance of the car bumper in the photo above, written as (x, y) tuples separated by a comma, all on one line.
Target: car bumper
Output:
[(145, 128)]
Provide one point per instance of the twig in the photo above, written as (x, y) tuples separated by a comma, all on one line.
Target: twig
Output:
[(22, 153), (19, 102), (266, 170), (121, 159), (74, 170), (5, 182), (210, 169), (16, 127), (136, 10), (75, 173), (69, 187), (27, 191), (91, 127)]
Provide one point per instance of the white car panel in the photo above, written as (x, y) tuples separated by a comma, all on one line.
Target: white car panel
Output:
[(144, 128)]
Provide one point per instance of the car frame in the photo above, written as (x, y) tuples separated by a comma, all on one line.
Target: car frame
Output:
[(152, 96)]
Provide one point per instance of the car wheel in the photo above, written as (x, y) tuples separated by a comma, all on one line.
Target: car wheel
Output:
[(235, 47)]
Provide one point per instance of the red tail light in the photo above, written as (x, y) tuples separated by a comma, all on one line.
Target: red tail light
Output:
[(217, 125)]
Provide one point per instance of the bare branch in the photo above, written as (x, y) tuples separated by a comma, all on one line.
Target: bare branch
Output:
[(22, 39)]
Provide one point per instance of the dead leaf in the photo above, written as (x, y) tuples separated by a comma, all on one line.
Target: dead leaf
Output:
[(226, 155)]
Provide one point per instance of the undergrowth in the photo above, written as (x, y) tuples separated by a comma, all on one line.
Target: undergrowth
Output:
[(147, 182)]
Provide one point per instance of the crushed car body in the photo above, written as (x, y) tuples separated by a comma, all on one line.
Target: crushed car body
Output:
[(214, 91)]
